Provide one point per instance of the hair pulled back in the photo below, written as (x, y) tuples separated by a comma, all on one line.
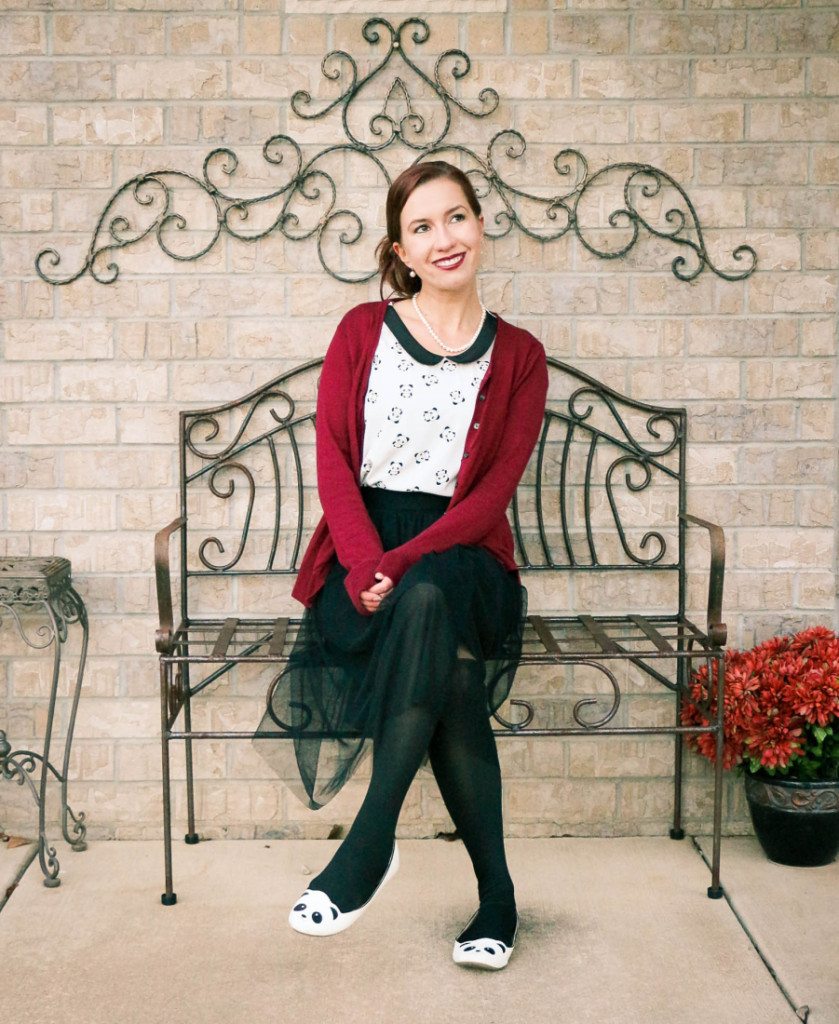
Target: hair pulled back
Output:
[(392, 270)]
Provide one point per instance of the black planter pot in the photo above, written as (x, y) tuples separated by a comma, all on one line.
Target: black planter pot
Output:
[(796, 823)]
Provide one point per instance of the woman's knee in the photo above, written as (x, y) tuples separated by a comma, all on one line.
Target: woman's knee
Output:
[(423, 597)]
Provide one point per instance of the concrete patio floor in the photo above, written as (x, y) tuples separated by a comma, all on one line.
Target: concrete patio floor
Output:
[(613, 931)]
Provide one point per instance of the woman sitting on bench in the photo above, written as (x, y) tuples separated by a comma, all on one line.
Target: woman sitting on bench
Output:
[(429, 407)]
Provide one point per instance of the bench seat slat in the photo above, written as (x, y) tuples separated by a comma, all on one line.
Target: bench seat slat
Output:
[(275, 648), (542, 630), (224, 638), (599, 635), (652, 633)]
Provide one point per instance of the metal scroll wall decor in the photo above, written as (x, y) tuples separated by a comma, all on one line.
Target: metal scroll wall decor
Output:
[(154, 192)]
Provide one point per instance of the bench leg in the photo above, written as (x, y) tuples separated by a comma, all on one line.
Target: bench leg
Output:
[(191, 836), (169, 897), (715, 889), (677, 832)]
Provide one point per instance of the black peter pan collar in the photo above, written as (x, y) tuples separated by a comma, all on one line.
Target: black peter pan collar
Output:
[(422, 355)]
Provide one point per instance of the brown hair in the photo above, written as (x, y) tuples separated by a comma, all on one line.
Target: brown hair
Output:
[(391, 269)]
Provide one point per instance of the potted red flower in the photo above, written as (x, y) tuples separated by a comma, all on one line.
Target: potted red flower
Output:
[(781, 733)]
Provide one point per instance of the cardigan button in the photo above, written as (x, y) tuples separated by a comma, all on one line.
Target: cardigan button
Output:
[(475, 426), (466, 455), (481, 397)]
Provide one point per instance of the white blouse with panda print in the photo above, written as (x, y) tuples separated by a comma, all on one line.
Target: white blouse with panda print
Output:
[(418, 409)]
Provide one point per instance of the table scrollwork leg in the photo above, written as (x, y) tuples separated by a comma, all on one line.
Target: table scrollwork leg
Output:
[(42, 587), (46, 853), (19, 765), (73, 610)]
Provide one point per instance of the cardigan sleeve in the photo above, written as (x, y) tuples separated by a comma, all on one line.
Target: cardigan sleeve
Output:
[(479, 510), (357, 542)]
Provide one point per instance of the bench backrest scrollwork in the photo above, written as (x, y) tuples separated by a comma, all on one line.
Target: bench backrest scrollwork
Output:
[(604, 491)]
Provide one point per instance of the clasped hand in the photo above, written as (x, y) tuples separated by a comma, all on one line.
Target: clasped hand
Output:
[(371, 599)]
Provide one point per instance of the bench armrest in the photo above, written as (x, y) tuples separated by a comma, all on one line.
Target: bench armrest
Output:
[(717, 631), (163, 636)]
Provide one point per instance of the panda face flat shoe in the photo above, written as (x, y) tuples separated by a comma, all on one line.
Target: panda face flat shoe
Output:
[(488, 953), (314, 913)]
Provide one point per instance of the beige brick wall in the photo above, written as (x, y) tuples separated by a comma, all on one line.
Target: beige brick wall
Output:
[(736, 99)]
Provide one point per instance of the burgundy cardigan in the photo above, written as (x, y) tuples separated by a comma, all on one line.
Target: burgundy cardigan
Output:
[(505, 426)]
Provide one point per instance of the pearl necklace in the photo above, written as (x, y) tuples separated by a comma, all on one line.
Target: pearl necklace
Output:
[(435, 336)]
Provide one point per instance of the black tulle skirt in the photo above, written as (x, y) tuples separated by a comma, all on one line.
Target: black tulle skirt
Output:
[(348, 672)]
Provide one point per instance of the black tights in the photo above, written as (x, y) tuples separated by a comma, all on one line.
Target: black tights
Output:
[(464, 758)]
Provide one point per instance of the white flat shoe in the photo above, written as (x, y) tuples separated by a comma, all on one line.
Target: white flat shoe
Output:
[(491, 953), (314, 913)]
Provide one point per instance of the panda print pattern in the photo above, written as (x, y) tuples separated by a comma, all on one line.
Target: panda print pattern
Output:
[(314, 913), (418, 410), (490, 953), (317, 906)]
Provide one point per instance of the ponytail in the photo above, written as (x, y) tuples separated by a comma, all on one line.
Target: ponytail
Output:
[(392, 271)]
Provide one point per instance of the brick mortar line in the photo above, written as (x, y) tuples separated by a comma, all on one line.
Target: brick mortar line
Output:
[(805, 57), (528, 102), (273, 100), (836, 465), (175, 402), (635, 273)]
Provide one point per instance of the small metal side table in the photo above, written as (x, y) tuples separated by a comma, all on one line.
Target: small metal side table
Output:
[(43, 585)]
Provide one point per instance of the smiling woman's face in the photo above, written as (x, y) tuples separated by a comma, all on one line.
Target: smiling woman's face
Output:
[(437, 222)]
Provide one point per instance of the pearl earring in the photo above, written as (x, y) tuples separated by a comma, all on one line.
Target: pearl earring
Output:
[(411, 273)]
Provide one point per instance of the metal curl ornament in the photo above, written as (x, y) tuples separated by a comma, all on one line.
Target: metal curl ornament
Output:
[(231, 488), (397, 120)]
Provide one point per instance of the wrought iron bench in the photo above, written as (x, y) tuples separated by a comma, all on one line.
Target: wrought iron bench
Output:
[(603, 502)]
